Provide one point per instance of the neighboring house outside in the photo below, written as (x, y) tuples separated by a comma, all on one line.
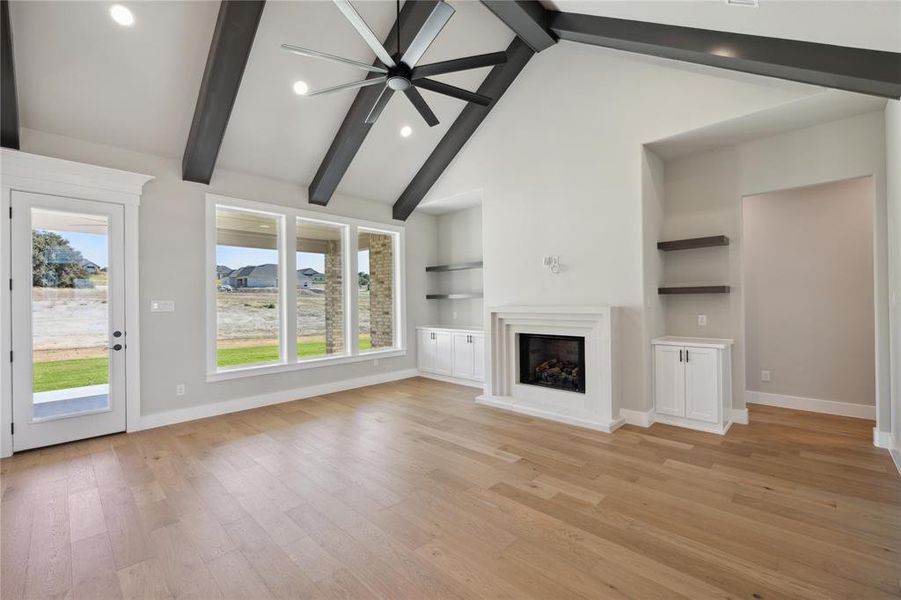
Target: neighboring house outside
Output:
[(90, 266), (306, 277), (222, 271), (254, 276), (266, 276)]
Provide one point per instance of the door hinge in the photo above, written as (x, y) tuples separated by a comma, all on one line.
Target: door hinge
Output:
[(10, 212), (10, 283), (10, 356), (12, 429)]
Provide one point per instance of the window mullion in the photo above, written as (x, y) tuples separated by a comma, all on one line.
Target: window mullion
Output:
[(352, 293), (288, 291)]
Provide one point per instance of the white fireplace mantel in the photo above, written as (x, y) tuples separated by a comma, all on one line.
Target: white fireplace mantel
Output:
[(597, 324)]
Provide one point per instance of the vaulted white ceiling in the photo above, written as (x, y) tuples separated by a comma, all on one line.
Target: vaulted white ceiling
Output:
[(81, 75)]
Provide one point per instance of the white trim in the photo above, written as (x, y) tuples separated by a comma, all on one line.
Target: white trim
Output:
[(693, 424), (830, 407), (238, 404), (740, 416), (310, 363), (456, 380), (504, 403), (22, 171), (883, 439), (637, 417)]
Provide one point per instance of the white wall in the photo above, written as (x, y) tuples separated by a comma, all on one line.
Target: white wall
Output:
[(459, 240), (893, 197), (560, 164), (703, 195), (172, 267), (808, 291)]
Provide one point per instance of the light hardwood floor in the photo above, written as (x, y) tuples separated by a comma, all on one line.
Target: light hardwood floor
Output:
[(409, 490)]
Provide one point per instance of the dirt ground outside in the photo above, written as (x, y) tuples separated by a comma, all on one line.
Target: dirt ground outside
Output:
[(72, 323)]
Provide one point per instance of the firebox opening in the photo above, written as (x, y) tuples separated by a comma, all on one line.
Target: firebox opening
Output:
[(555, 361)]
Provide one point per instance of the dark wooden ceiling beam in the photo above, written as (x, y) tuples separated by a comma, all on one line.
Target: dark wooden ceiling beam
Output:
[(233, 37), (527, 18), (9, 103), (494, 86), (858, 70), (354, 129)]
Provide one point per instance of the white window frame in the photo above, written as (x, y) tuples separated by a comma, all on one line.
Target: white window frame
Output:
[(287, 251)]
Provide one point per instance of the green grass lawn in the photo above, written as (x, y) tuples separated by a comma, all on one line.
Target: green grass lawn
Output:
[(231, 357), (62, 374)]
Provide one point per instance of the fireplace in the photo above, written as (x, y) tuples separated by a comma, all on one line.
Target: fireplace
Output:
[(554, 361)]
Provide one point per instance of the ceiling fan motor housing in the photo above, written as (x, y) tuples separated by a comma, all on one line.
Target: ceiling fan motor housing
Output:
[(399, 77)]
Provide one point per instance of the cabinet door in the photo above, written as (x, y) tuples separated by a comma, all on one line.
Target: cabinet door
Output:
[(425, 350), (478, 357), (444, 353), (462, 356), (702, 390), (669, 380)]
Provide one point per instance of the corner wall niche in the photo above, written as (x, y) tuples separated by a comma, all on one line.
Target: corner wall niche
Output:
[(712, 241), (455, 281)]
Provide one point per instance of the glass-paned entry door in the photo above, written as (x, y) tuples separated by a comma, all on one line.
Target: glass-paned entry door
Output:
[(69, 337)]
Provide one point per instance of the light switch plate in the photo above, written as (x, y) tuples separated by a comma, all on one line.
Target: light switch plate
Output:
[(765, 375), (162, 306), (702, 320)]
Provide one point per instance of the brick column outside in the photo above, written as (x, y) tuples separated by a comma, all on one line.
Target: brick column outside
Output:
[(334, 304), (381, 290)]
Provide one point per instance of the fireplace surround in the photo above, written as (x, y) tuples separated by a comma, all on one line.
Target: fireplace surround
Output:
[(594, 406)]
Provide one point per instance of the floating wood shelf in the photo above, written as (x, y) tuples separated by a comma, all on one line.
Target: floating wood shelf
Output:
[(691, 243), (454, 267), (452, 296), (695, 289)]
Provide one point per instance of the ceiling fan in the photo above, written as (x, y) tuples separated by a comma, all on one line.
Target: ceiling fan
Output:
[(400, 72)]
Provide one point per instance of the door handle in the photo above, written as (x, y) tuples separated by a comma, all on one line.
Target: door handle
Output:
[(116, 347), (117, 334), (686, 355), (680, 356)]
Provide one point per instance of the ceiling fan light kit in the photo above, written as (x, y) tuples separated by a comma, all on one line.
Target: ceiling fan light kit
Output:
[(400, 73)]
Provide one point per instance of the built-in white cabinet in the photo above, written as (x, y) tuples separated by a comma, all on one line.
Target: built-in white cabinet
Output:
[(693, 382), (455, 353)]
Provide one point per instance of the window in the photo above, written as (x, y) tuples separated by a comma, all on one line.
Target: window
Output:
[(293, 290), (247, 288), (321, 310), (375, 296)]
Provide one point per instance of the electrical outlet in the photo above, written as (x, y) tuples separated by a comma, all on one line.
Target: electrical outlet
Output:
[(180, 389), (455, 315), (702, 320), (765, 375), (375, 362)]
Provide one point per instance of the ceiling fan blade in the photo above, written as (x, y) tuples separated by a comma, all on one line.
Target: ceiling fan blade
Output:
[(332, 57), (441, 14), (351, 14), (453, 91), (380, 104), (460, 64), (419, 102), (348, 86)]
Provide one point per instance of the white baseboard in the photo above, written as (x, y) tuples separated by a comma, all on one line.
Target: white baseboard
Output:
[(221, 408), (831, 407), (637, 417), (504, 403), (740, 416), (883, 439), (896, 456), (456, 380)]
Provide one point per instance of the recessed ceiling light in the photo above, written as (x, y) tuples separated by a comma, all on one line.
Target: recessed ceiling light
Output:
[(406, 131), (122, 15), (300, 88)]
